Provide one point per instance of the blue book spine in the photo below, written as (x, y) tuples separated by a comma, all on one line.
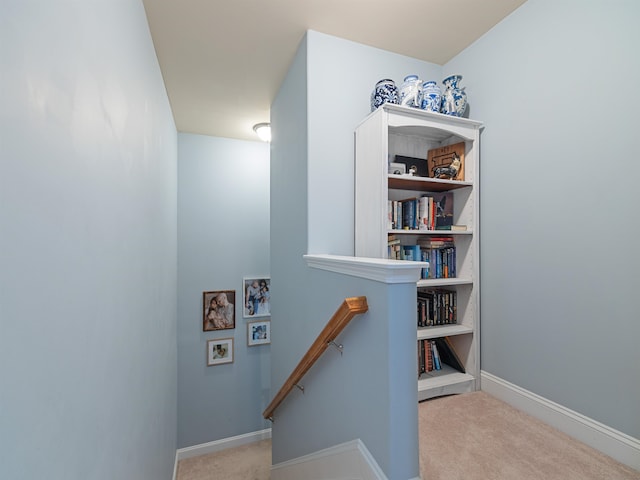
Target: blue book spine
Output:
[(436, 356)]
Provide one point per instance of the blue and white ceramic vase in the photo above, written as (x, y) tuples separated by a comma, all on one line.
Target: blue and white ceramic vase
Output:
[(454, 98), (431, 96), (410, 91), (385, 91)]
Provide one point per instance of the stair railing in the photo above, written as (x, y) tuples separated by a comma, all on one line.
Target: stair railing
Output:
[(351, 307)]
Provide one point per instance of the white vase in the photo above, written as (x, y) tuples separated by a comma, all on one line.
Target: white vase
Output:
[(410, 91)]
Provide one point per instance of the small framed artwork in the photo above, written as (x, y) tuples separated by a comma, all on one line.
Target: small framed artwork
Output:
[(218, 310), (415, 166), (219, 351), (397, 168), (258, 333), (256, 297), (447, 162)]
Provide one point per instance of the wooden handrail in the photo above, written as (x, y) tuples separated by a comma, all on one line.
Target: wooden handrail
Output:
[(351, 307)]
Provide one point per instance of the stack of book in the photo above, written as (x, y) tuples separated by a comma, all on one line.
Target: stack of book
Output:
[(437, 307), (397, 251), (433, 353), (433, 211), (440, 252)]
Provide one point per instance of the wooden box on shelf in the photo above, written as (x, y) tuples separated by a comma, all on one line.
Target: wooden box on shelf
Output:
[(442, 162)]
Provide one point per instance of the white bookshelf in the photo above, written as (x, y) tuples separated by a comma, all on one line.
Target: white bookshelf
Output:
[(395, 130)]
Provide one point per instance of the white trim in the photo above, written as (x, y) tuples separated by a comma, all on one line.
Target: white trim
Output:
[(378, 269), (620, 446), (347, 461), (222, 444), (175, 467)]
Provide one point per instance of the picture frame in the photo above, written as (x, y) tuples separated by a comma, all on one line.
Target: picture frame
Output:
[(417, 166), (218, 310), (397, 168), (256, 297), (441, 158), (258, 333), (219, 351)]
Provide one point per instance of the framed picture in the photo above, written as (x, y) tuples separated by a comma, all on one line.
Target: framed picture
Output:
[(218, 310), (447, 162), (397, 168), (219, 351), (417, 166), (256, 297), (258, 333)]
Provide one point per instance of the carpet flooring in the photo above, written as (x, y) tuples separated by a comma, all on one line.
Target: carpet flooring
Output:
[(472, 436), (475, 436)]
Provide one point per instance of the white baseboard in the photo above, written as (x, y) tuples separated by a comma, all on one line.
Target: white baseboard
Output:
[(217, 445), (623, 448), (347, 461), (175, 467)]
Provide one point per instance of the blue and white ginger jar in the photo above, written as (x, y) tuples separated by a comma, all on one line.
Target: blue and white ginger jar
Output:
[(410, 91), (454, 98), (431, 96), (385, 91)]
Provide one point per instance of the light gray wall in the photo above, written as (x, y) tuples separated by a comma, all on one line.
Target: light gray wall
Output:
[(342, 75), (322, 99), (368, 392), (87, 245), (556, 85), (223, 236), (288, 219)]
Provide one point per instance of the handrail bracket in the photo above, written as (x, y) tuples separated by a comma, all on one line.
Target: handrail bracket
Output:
[(338, 346)]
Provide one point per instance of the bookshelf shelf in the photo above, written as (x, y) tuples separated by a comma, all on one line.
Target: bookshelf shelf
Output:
[(394, 130), (405, 182), (443, 331), (445, 282), (444, 382), (431, 232)]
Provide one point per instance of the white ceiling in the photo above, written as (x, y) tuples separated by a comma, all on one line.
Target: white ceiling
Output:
[(223, 60)]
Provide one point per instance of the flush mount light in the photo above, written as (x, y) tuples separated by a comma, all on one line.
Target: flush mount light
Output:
[(264, 131)]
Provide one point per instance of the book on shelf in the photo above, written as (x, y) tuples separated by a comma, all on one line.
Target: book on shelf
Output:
[(444, 209), (402, 214), (440, 252), (447, 161), (436, 356), (437, 307), (433, 211), (411, 252), (425, 357), (410, 214), (453, 228), (432, 354), (425, 207)]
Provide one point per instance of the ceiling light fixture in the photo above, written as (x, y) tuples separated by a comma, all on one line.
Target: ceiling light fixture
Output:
[(264, 131)]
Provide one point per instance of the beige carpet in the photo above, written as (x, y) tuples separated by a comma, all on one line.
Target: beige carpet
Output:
[(248, 462), (471, 436), (475, 436)]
